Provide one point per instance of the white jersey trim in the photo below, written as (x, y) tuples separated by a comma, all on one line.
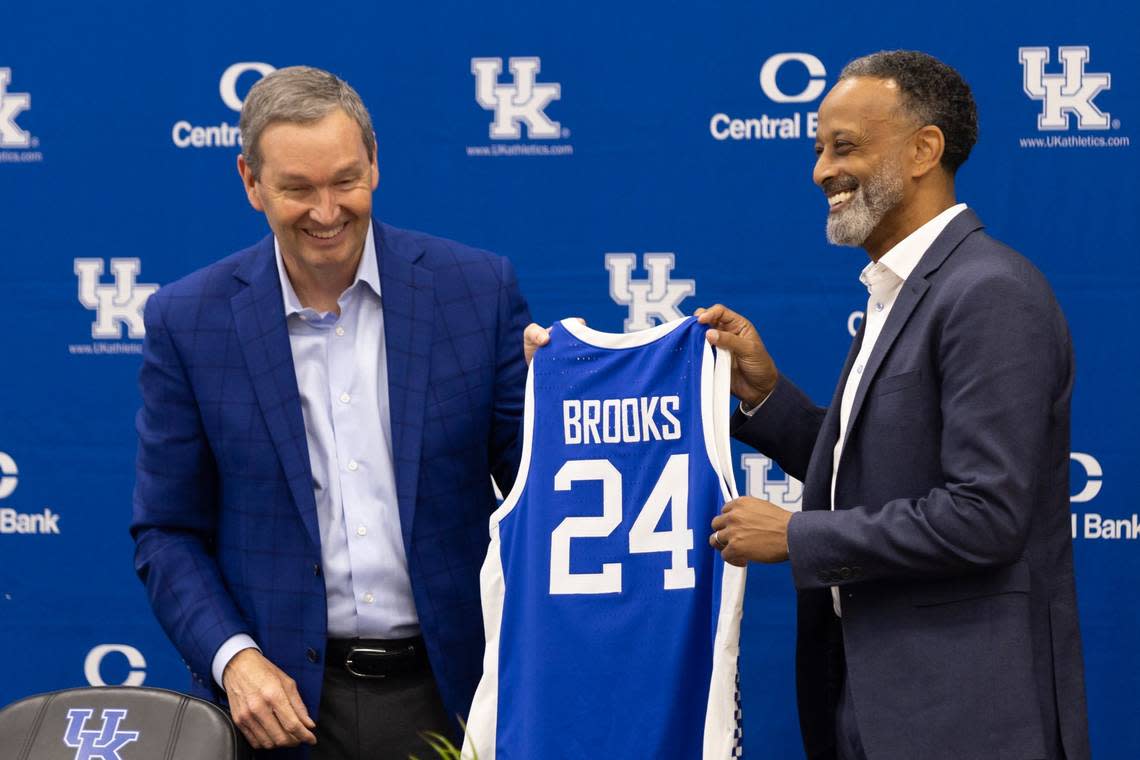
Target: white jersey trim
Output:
[(619, 340), (721, 719), (482, 720)]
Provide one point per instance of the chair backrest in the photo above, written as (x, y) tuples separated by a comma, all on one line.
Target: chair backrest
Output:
[(118, 723)]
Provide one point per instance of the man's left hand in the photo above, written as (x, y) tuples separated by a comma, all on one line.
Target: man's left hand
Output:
[(751, 530)]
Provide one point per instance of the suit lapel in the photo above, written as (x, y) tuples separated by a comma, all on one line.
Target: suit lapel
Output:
[(408, 300), (259, 319), (908, 298)]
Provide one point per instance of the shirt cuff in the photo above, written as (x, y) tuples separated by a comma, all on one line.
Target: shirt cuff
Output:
[(748, 411), (226, 652)]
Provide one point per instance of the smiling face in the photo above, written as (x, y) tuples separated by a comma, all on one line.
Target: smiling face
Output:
[(315, 188), (861, 150)]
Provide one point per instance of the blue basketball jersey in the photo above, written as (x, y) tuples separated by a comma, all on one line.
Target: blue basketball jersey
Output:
[(612, 626)]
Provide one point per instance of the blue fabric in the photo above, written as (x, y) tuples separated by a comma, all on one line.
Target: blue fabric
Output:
[(224, 515), (950, 541)]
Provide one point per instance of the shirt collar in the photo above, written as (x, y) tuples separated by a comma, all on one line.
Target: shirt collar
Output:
[(367, 272), (896, 264)]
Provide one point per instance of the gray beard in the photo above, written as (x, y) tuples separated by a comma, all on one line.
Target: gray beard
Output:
[(852, 226)]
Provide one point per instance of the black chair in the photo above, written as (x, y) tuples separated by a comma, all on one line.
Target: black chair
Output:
[(124, 722)]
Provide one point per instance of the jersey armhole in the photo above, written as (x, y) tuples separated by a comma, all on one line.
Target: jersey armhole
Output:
[(715, 376), (516, 491)]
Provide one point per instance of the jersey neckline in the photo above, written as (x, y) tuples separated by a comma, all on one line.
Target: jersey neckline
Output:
[(600, 339)]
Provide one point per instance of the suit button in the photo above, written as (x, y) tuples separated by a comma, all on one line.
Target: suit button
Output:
[(316, 568), (845, 573), (311, 655)]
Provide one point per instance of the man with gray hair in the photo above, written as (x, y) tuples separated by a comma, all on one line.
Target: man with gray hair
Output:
[(933, 559), (321, 413)]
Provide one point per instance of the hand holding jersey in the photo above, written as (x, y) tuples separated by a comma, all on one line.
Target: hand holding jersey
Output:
[(753, 371), (747, 528)]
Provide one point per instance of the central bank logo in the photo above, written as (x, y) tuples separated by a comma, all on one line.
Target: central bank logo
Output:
[(1093, 477), (1069, 93), (102, 743), (136, 663), (13, 522), (222, 135), (784, 78), (117, 304), (8, 473), (653, 300)]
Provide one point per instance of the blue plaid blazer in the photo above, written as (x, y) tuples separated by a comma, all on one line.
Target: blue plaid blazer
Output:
[(224, 518)]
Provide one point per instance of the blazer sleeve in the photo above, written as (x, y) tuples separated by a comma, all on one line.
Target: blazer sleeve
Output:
[(175, 507), (510, 380), (784, 427), (1004, 378)]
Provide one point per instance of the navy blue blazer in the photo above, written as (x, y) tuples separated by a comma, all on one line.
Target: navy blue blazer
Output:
[(950, 541), (225, 519)]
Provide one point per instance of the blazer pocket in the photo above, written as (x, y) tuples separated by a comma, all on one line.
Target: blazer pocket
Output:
[(898, 382), (1011, 579)]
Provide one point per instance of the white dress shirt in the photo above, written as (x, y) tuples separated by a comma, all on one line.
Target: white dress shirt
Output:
[(883, 279), (342, 376)]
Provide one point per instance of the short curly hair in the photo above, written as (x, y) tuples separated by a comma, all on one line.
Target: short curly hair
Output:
[(932, 93)]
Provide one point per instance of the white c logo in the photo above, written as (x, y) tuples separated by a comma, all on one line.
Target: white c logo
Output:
[(1094, 472), (853, 322), (8, 473), (814, 86), (228, 86), (94, 661)]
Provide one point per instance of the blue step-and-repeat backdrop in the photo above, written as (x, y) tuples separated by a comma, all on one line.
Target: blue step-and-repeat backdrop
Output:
[(651, 157)]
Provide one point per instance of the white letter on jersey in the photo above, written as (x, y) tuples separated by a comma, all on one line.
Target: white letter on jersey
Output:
[(672, 487), (608, 581), (591, 413), (611, 420), (649, 431), (630, 425), (572, 420), (667, 432)]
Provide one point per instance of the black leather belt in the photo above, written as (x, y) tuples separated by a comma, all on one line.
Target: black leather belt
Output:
[(377, 658)]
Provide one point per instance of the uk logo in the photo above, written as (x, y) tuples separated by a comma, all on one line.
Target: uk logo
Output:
[(786, 493), (101, 743), (1069, 93), (12, 104), (116, 304), (652, 300), (524, 100)]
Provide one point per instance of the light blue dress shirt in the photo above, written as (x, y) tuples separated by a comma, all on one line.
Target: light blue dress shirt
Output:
[(342, 376)]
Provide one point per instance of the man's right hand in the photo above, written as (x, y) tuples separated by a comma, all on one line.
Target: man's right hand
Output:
[(535, 336), (265, 704), (753, 371)]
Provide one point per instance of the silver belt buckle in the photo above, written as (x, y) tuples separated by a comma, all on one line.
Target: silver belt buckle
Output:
[(358, 674)]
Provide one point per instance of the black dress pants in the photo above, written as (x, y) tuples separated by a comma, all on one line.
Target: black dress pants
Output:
[(378, 718)]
